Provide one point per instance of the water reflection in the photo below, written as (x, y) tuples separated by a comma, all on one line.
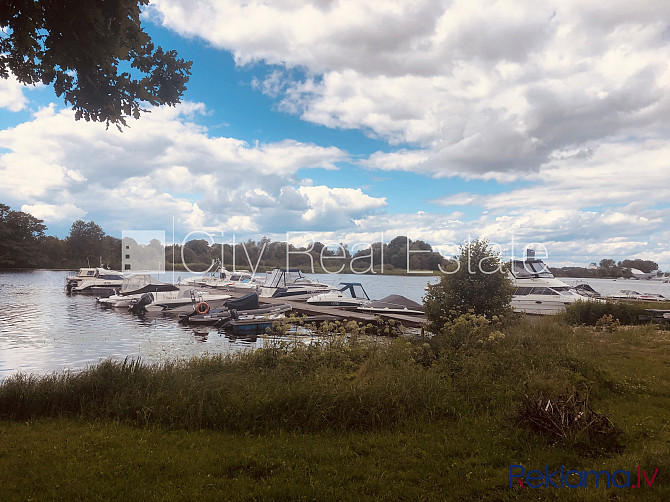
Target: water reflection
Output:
[(44, 330)]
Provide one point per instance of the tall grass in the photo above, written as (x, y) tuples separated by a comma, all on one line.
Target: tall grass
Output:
[(590, 312), (344, 384)]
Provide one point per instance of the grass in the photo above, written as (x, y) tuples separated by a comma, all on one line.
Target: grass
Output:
[(348, 419)]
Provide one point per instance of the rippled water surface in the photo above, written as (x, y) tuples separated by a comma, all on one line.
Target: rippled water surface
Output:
[(44, 330)]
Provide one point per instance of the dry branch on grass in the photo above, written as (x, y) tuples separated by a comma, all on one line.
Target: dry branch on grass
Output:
[(565, 416)]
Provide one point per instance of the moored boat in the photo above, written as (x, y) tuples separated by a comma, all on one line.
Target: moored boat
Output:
[(246, 307), (89, 279), (284, 283), (349, 295), (537, 291)]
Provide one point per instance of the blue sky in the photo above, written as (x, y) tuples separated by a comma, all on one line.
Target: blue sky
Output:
[(543, 123)]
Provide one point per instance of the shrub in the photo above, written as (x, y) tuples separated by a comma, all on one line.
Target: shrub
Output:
[(591, 312), (477, 284)]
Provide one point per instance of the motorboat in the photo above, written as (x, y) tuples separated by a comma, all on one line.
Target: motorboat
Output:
[(246, 308), (349, 295), (134, 286), (537, 291), (292, 283), (586, 290), (181, 302), (222, 278), (629, 294), (88, 280)]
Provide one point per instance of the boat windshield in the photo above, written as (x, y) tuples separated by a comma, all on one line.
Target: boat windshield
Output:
[(111, 277), (135, 282), (355, 290), (525, 269)]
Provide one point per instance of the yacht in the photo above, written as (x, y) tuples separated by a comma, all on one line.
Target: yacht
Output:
[(88, 280), (291, 282), (537, 290)]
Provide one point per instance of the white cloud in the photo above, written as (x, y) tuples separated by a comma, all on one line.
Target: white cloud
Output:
[(54, 212), (166, 166), (11, 94), (482, 89)]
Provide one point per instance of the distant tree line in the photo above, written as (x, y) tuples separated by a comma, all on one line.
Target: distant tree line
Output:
[(608, 269), (23, 244), (394, 257)]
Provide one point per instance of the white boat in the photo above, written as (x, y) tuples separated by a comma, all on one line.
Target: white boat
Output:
[(537, 290), (222, 278), (134, 286), (88, 280), (291, 282), (349, 295), (183, 301), (629, 294)]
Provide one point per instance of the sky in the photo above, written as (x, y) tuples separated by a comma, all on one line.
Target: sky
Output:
[(542, 124)]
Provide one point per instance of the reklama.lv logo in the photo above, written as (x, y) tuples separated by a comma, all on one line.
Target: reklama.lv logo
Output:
[(578, 479)]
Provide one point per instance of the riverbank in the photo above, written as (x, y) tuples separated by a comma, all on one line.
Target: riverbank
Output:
[(350, 419)]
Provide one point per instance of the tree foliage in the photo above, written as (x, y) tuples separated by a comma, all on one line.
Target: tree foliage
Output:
[(86, 240), (646, 266), (20, 236), (476, 283), (94, 53)]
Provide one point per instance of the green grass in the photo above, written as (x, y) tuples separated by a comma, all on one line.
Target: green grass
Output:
[(349, 420)]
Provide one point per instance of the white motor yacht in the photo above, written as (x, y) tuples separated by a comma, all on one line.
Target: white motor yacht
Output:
[(537, 290)]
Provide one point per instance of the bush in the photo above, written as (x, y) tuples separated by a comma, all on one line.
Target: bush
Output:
[(478, 284), (591, 312)]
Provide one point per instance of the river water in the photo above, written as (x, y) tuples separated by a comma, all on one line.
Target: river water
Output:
[(43, 330)]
